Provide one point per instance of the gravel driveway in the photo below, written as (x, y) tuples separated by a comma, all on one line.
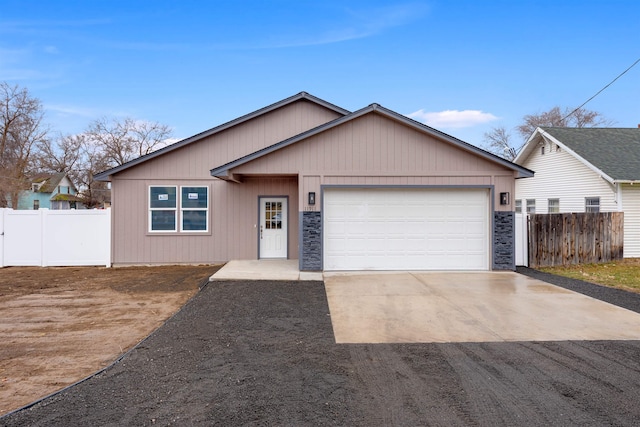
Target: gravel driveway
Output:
[(262, 353)]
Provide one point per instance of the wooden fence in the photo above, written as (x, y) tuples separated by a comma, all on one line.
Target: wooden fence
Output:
[(575, 238)]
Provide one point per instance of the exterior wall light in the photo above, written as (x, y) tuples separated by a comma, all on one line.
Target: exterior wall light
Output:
[(312, 198)]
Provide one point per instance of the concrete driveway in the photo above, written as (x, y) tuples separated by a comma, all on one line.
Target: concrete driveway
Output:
[(436, 307)]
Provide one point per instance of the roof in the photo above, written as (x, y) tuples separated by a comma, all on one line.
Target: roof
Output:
[(49, 181), (104, 176), (612, 152), (66, 197), (222, 172)]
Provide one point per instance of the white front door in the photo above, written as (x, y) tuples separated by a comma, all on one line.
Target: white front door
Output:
[(273, 227)]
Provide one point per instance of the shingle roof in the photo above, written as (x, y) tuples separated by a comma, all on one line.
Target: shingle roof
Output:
[(49, 182), (615, 151)]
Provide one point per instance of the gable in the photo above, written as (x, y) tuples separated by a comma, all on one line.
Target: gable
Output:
[(560, 175), (193, 161), (260, 128), (613, 153), (371, 144)]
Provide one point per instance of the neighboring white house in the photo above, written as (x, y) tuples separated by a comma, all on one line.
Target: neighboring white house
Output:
[(584, 170)]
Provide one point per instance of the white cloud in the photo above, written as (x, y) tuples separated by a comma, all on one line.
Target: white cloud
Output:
[(71, 111), (452, 118)]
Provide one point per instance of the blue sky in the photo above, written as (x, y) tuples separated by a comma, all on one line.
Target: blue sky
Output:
[(462, 67)]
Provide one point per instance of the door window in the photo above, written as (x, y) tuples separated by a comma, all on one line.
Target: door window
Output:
[(273, 215)]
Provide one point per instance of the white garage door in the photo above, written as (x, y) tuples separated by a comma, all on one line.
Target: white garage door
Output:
[(406, 229)]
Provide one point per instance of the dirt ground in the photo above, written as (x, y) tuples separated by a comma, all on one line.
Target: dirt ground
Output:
[(59, 325), (262, 353)]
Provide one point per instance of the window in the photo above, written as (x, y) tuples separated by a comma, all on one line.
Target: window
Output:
[(194, 208), (592, 204), (531, 206), (554, 205), (542, 150), (36, 205), (189, 208), (518, 206), (162, 208)]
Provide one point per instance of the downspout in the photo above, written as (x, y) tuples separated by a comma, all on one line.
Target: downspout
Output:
[(619, 196)]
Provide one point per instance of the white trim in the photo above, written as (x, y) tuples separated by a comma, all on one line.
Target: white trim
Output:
[(182, 209), (151, 210)]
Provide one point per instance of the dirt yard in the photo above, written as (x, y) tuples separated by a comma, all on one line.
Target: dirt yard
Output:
[(59, 325)]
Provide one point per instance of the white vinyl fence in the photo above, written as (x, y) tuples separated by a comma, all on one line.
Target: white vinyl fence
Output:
[(55, 238), (522, 239)]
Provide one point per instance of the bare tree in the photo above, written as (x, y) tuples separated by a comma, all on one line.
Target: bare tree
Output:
[(21, 131), (110, 142), (93, 160), (124, 140), (500, 142), (556, 117), (60, 155)]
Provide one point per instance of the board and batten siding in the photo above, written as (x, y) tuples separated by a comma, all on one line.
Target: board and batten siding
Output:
[(374, 150), (233, 219), (631, 209), (233, 207), (559, 175), (195, 160)]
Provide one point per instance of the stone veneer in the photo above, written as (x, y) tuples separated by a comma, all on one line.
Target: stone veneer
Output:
[(504, 241), (311, 258)]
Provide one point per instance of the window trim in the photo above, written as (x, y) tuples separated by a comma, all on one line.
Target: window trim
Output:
[(151, 210), (588, 206), (549, 205), (206, 210), (529, 205), (178, 211)]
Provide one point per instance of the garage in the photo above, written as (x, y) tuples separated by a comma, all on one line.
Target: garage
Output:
[(406, 229)]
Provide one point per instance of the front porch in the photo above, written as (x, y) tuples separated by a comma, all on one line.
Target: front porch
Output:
[(264, 269)]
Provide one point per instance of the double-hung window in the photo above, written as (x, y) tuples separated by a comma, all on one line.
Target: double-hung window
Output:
[(519, 206), (531, 206), (163, 205), (194, 208), (554, 205), (186, 210), (592, 204)]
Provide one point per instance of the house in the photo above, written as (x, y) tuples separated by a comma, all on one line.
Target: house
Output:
[(305, 179), (584, 170), (50, 191)]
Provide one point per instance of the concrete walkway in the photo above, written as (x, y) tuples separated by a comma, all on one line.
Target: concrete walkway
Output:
[(264, 269)]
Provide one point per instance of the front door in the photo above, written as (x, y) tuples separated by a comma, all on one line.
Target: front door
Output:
[(273, 227)]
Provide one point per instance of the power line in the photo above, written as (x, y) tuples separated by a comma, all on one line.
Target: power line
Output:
[(600, 91)]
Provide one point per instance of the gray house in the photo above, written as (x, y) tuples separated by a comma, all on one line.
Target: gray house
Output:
[(305, 179)]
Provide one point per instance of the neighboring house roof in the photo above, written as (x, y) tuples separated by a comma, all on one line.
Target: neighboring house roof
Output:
[(614, 153), (61, 197), (48, 182), (104, 176), (222, 172)]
